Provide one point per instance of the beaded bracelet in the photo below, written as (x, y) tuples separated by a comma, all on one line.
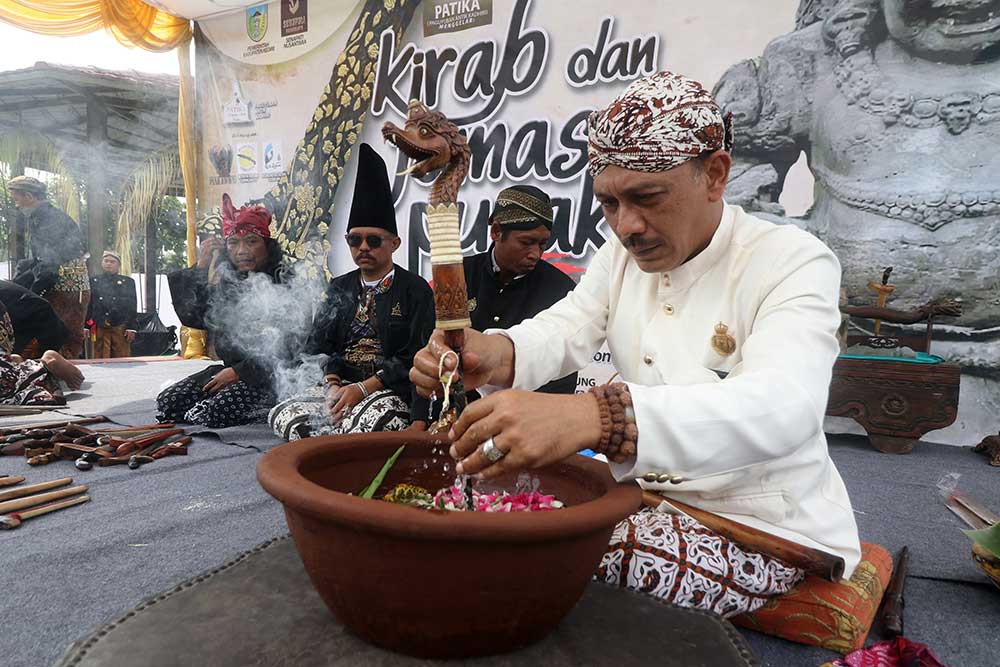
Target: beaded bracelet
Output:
[(619, 434)]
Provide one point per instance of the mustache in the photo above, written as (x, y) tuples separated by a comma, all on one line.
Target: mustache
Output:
[(635, 242)]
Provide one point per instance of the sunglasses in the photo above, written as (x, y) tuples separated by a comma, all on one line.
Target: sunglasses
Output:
[(373, 240)]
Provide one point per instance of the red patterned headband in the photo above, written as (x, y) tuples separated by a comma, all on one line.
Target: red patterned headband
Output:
[(245, 220), (658, 123)]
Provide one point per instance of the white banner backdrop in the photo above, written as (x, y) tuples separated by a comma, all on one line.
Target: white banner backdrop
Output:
[(518, 76)]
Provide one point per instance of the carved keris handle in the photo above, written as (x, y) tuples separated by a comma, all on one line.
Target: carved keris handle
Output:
[(451, 304)]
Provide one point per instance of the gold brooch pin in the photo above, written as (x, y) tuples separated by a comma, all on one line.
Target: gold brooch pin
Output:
[(397, 311), (722, 341), (473, 304)]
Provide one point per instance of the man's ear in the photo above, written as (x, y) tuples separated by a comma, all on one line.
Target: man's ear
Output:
[(716, 168), (495, 232), (396, 242)]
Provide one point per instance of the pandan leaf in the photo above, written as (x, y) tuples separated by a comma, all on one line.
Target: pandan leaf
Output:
[(987, 538), (369, 491)]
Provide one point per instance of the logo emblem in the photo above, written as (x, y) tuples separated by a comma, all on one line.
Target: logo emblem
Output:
[(473, 304), (397, 311), (722, 342), (294, 17), (256, 22)]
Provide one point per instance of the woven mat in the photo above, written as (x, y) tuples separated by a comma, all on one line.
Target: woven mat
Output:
[(260, 609)]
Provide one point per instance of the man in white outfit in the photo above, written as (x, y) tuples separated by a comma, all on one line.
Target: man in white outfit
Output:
[(723, 327)]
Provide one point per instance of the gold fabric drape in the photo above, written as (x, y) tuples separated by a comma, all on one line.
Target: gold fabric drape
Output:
[(194, 342), (132, 22), (187, 150)]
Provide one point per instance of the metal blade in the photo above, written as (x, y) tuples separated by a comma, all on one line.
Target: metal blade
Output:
[(976, 508), (965, 515)]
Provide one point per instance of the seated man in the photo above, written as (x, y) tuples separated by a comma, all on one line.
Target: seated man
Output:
[(220, 295), (55, 268), (37, 327), (373, 321), (113, 309), (510, 282), (30, 381), (689, 290)]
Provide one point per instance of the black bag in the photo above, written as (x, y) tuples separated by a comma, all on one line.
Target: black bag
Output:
[(153, 339)]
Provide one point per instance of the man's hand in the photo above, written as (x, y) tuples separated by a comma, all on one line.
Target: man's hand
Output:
[(485, 360), (207, 250), (534, 430), (340, 400), (222, 379), (130, 335), (333, 392), (418, 425)]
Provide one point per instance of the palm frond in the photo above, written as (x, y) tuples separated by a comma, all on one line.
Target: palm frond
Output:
[(141, 199)]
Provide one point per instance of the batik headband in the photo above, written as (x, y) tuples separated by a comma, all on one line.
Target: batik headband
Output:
[(658, 123), (517, 207)]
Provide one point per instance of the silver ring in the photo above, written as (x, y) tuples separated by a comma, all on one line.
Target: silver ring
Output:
[(492, 452)]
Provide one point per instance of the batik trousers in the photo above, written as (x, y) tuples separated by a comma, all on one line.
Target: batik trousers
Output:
[(679, 560), (236, 404), (306, 415), (71, 307)]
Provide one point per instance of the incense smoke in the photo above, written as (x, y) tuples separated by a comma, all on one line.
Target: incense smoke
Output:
[(281, 317)]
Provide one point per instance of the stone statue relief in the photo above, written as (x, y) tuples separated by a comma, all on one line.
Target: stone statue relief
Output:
[(896, 104)]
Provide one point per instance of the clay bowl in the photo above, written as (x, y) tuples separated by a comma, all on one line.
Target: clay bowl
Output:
[(433, 583)]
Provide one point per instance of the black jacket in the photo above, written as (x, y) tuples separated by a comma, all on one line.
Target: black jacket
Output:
[(113, 300), (496, 306), (194, 299), (32, 318), (404, 320), (53, 240)]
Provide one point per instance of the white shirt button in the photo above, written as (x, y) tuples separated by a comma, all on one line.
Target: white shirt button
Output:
[(668, 309), (648, 360), (666, 280)]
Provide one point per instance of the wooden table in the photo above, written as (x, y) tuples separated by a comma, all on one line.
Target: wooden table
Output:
[(896, 402)]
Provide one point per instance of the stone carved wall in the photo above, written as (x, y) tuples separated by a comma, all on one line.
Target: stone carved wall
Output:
[(896, 104)]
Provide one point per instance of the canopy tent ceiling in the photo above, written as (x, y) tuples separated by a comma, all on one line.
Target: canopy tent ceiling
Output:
[(132, 114), (199, 9)]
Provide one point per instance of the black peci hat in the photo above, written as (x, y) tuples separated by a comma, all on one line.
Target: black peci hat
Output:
[(372, 204)]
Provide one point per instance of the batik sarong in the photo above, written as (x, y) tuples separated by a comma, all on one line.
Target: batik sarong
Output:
[(306, 415), (28, 382), (679, 560), (236, 404)]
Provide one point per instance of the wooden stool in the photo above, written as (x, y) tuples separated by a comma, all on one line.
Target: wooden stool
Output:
[(896, 402)]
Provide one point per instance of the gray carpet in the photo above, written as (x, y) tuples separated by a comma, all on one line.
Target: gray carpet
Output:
[(143, 531), (148, 529), (950, 604), (125, 393)]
